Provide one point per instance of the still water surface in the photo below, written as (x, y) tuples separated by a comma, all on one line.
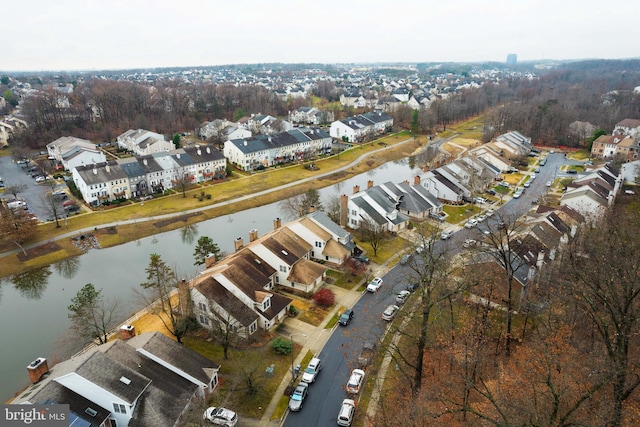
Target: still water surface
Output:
[(33, 306)]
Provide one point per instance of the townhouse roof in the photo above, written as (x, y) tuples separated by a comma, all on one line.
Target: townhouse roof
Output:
[(107, 373), (68, 142), (173, 353), (78, 150), (248, 272), (266, 142), (373, 214), (286, 245), (529, 248), (169, 393), (83, 408), (335, 249), (101, 172), (628, 123), (132, 167), (165, 160), (321, 218), (557, 223), (548, 235), (278, 303), (181, 158), (149, 164), (306, 272), (315, 228), (446, 182), (213, 290), (203, 153), (585, 191)]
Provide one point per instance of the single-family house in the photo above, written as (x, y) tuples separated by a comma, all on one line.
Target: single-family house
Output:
[(443, 187), (143, 142), (65, 144), (375, 208), (78, 156), (628, 127)]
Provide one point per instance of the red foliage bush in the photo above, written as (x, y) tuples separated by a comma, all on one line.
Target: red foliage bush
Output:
[(324, 297)]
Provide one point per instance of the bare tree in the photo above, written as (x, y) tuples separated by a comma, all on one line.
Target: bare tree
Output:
[(17, 226), (164, 302), (91, 315), (182, 180), (53, 207), (373, 234), (300, 205), (601, 269), (15, 189)]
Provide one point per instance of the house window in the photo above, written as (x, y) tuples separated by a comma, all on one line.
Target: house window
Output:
[(202, 306), (204, 320), (266, 304), (318, 244), (121, 409), (283, 268)]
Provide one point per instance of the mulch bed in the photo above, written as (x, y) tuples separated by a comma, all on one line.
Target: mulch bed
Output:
[(38, 251)]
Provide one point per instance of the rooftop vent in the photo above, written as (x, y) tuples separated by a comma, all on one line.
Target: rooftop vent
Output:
[(125, 380), (91, 412)]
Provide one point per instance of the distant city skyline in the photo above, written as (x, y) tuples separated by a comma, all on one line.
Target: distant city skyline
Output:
[(117, 34)]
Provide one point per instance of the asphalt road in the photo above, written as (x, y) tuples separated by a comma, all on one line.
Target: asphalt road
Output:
[(340, 354)]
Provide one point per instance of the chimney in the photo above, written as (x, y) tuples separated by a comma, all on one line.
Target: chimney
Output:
[(253, 235), (416, 180), (107, 168), (37, 369), (238, 243), (312, 208), (145, 162), (370, 183), (208, 150), (344, 206), (245, 142), (199, 152), (127, 331), (356, 189), (185, 298), (540, 260), (277, 223), (95, 171)]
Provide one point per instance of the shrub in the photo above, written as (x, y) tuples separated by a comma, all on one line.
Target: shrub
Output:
[(281, 345), (324, 297)]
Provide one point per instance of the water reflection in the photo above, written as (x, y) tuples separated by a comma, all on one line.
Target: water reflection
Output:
[(188, 233), (67, 268), (32, 284)]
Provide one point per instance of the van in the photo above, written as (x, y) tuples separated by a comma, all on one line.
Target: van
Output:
[(17, 204)]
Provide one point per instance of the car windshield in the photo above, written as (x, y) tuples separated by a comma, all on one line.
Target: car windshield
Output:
[(344, 316), (297, 395), (309, 370)]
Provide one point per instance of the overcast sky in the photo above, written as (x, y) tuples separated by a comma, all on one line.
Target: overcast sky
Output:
[(116, 34)]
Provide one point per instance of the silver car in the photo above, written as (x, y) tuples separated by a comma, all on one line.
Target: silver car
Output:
[(297, 398)]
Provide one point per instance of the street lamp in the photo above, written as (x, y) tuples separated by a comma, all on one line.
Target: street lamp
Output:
[(293, 373)]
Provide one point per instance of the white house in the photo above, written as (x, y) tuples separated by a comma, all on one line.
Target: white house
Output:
[(143, 142), (65, 144), (360, 127)]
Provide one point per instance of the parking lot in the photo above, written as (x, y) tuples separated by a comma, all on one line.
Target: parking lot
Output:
[(14, 174)]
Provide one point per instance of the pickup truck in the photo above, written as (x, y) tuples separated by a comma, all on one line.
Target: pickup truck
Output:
[(368, 350)]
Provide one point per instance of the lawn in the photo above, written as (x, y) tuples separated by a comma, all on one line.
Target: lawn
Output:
[(344, 280), (460, 213), (389, 247)]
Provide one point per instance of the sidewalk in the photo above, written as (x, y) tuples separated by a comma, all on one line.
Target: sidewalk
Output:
[(316, 338)]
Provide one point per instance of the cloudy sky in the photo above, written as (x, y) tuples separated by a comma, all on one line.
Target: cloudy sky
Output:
[(116, 34)]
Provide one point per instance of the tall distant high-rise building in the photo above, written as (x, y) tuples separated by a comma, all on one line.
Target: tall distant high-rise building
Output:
[(512, 58)]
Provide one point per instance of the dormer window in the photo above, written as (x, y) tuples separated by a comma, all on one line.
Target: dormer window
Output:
[(266, 303)]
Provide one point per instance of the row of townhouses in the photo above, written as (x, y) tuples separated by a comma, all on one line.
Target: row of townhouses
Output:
[(240, 291), (361, 127), (140, 176), (593, 192), (623, 144)]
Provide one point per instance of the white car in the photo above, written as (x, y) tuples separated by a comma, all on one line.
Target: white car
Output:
[(517, 194), (527, 184), (471, 223), (446, 234), (347, 411), (402, 296), (375, 284), (41, 178), (221, 416), (313, 369), (481, 218), (532, 177), (490, 212), (548, 184), (390, 312), (355, 381)]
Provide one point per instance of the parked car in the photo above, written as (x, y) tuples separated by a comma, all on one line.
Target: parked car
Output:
[(446, 234), (517, 194), (469, 243), (313, 369), (375, 284), (532, 177), (346, 413), (572, 171), (390, 312), (490, 212), (402, 297), (412, 286), (490, 191), (527, 184), (41, 178), (420, 249), (221, 416), (68, 203), (504, 184), (471, 223), (548, 184), (346, 317), (297, 397), (481, 218), (355, 381), (436, 216), (405, 259), (480, 200), (362, 258)]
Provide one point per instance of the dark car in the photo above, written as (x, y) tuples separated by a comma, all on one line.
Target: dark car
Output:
[(412, 286), (346, 317), (491, 191), (362, 258)]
